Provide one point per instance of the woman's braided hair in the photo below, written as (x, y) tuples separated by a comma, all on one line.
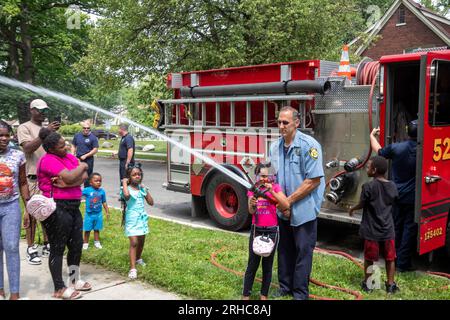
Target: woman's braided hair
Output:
[(50, 139)]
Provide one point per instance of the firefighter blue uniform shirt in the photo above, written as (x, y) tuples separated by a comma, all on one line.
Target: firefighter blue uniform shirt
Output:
[(127, 142), (302, 160), (403, 155), (84, 144)]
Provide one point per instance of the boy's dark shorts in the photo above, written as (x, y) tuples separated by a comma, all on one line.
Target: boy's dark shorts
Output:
[(372, 250)]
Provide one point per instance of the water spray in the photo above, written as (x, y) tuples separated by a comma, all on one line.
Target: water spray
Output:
[(86, 105)]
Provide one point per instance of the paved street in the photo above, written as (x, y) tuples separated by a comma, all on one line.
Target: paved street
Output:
[(176, 206)]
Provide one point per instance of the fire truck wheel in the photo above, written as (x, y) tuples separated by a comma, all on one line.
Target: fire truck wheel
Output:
[(226, 201)]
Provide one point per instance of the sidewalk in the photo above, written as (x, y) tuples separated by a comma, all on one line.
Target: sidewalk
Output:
[(36, 283)]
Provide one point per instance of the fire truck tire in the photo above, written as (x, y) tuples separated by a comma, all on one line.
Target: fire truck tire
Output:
[(226, 201)]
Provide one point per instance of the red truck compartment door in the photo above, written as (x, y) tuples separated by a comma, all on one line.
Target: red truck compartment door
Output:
[(433, 152)]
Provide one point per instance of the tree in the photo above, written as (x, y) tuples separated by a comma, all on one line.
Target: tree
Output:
[(138, 98), (136, 38), (440, 6), (38, 48)]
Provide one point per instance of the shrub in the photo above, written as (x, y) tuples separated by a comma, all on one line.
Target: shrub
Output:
[(70, 129)]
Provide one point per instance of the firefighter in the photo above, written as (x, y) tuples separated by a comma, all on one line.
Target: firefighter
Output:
[(297, 158), (403, 156)]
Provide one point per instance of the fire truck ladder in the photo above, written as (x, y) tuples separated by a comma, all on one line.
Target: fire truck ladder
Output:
[(191, 102)]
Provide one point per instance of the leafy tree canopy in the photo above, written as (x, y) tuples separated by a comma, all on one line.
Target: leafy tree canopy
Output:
[(135, 38)]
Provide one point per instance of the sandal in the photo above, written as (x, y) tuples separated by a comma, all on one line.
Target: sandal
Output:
[(81, 285), (69, 294), (132, 274)]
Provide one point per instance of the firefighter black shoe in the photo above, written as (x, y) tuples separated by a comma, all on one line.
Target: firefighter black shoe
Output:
[(281, 293), (392, 288), (364, 287)]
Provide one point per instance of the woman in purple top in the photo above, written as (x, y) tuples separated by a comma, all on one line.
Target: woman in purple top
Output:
[(60, 175), (264, 222), (13, 184)]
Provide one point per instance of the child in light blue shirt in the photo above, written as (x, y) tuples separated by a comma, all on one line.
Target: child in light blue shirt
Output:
[(135, 217), (93, 218)]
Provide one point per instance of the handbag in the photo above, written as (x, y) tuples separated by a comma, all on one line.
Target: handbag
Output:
[(262, 245), (40, 207)]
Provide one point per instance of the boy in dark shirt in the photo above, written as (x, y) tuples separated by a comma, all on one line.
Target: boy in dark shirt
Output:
[(377, 224)]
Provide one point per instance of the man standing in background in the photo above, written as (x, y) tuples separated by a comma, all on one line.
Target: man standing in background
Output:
[(28, 135), (126, 150), (85, 146)]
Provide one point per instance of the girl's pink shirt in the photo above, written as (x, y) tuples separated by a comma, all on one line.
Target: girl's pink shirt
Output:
[(266, 211)]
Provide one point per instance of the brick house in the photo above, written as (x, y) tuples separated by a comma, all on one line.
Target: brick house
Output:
[(405, 27)]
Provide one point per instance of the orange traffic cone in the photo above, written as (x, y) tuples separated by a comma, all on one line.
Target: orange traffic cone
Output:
[(344, 65)]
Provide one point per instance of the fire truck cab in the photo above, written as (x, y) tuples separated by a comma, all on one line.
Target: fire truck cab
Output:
[(230, 116)]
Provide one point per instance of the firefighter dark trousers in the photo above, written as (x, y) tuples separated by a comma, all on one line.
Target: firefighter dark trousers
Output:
[(295, 255), (405, 234)]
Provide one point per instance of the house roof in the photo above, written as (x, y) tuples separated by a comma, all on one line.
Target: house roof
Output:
[(431, 19), (12, 123)]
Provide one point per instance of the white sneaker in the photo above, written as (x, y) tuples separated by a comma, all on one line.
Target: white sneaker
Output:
[(32, 256), (35, 246), (85, 246), (140, 262), (132, 274), (46, 250), (97, 245)]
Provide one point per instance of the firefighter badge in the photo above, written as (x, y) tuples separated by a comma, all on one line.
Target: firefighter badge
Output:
[(313, 153)]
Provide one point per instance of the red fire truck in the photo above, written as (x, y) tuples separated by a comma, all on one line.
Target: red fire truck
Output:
[(230, 114)]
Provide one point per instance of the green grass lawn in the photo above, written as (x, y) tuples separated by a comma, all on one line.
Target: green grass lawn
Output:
[(160, 146), (179, 260)]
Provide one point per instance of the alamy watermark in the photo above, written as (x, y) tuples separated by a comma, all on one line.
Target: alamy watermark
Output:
[(374, 13), (74, 17), (74, 274), (374, 281)]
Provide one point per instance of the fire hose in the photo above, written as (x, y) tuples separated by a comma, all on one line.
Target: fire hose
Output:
[(356, 294), (367, 74)]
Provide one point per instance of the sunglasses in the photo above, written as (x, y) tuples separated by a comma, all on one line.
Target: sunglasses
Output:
[(134, 165), (42, 111), (284, 122), (86, 128)]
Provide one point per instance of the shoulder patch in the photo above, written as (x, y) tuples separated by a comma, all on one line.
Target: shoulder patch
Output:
[(313, 153)]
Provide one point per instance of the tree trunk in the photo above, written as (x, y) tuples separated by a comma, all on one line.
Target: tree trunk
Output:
[(13, 67), (23, 109), (26, 46)]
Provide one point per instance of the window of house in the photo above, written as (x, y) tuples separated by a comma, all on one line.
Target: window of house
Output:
[(401, 16), (439, 106)]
